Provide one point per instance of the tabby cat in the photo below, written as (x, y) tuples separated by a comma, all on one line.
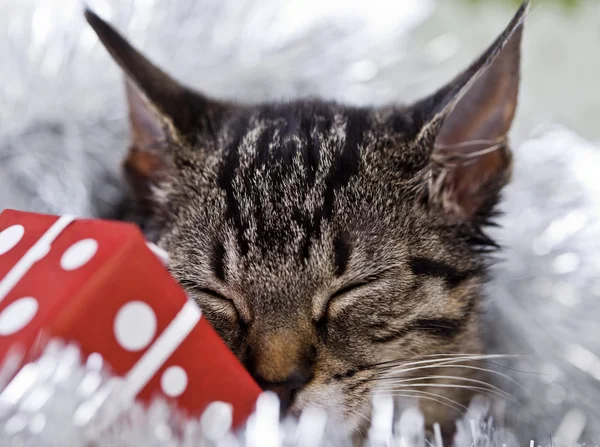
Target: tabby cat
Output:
[(337, 250)]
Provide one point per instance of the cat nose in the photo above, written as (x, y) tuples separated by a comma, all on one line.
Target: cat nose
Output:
[(286, 390)]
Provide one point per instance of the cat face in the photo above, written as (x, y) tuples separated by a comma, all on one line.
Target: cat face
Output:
[(338, 251), (315, 258)]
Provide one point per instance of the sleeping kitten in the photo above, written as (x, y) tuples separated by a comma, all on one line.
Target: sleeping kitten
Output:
[(336, 249)]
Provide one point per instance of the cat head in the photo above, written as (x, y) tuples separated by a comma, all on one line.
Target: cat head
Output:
[(330, 246)]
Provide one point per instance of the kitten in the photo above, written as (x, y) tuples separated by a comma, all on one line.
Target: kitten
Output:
[(336, 249)]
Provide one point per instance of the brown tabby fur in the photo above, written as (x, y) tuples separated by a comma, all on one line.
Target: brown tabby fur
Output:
[(327, 243)]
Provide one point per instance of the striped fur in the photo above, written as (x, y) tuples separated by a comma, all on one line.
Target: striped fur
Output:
[(322, 240)]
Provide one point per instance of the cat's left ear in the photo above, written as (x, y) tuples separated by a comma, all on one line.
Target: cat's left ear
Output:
[(157, 102), (164, 115), (466, 124)]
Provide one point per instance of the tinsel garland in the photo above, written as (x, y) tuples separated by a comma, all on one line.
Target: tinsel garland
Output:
[(63, 135), (62, 399)]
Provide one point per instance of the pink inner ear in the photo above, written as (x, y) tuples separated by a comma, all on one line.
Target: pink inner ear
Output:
[(473, 136), (468, 186), (487, 109), (146, 126)]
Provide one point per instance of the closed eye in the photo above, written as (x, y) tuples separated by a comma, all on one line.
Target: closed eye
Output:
[(321, 324), (349, 289), (222, 303), (216, 302), (193, 287), (357, 285), (212, 293)]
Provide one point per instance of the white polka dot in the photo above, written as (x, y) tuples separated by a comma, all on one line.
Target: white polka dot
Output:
[(9, 237), (17, 315), (78, 254), (135, 325), (174, 381)]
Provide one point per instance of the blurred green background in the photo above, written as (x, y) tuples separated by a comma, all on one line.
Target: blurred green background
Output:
[(566, 3), (560, 62)]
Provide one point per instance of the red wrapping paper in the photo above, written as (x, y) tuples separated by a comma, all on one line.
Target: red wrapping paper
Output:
[(97, 283)]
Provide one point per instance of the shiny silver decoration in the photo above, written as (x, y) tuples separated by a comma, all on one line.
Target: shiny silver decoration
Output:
[(62, 399), (63, 134), (544, 300)]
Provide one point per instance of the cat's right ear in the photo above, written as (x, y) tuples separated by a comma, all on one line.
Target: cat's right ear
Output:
[(164, 114), (462, 130)]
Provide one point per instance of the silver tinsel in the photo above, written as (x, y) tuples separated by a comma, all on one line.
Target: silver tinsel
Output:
[(63, 134), (63, 400)]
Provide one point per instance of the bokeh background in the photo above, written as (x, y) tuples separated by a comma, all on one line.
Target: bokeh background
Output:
[(63, 133), (58, 86)]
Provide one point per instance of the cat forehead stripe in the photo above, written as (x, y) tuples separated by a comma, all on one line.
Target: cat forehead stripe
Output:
[(281, 175)]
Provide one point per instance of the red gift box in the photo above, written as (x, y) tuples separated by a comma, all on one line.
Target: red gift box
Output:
[(98, 284)]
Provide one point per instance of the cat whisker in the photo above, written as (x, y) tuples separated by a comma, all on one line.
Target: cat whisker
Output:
[(446, 363), (449, 355), (440, 396), (507, 368), (534, 400), (452, 363), (450, 358), (480, 389), (492, 363), (463, 354), (485, 386), (397, 380), (470, 367), (428, 396), (519, 385)]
